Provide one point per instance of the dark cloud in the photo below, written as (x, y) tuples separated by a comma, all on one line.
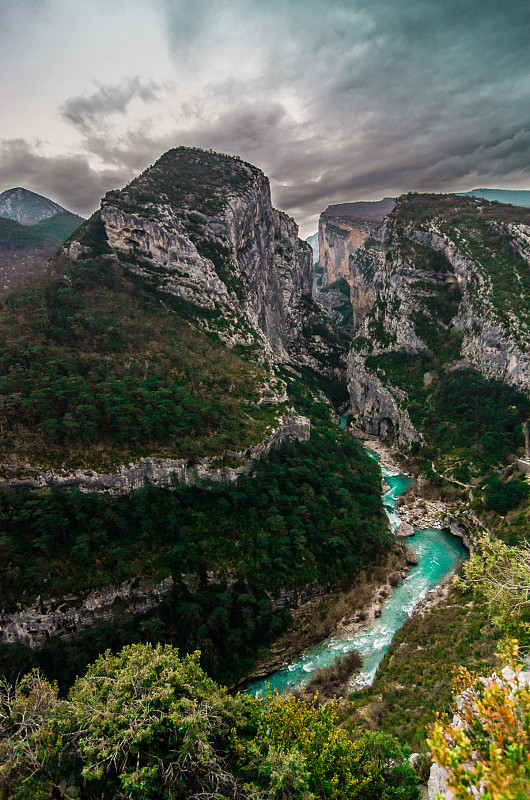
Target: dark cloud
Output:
[(68, 179), (336, 101), (394, 96), (87, 112)]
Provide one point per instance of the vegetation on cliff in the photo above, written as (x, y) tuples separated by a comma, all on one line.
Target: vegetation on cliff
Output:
[(147, 724), (445, 301), (96, 370), (188, 178), (229, 547), (485, 749)]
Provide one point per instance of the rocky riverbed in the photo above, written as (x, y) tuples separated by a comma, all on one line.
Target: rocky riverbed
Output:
[(425, 513), (345, 611)]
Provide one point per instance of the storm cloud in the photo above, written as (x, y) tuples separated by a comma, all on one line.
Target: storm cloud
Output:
[(341, 101), (87, 111)]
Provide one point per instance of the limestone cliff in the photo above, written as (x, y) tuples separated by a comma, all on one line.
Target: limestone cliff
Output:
[(201, 226), (450, 286), (349, 238), (376, 409), (463, 268)]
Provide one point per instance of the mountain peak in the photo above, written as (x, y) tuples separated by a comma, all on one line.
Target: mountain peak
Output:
[(27, 207)]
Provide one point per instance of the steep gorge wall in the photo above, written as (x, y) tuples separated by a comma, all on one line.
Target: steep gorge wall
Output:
[(443, 282), (338, 239), (240, 256), (349, 249), (375, 408)]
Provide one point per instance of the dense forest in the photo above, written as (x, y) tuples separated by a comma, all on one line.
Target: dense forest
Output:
[(310, 512), (97, 370)]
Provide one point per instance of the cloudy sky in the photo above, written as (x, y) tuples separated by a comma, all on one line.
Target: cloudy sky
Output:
[(335, 101)]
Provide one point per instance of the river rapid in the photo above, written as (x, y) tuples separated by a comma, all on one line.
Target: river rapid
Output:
[(439, 554)]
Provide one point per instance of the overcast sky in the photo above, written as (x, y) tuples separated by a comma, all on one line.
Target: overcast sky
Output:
[(335, 101)]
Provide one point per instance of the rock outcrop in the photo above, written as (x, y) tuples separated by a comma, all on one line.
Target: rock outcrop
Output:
[(375, 408), (404, 530), (166, 472), (34, 625), (66, 617), (509, 682), (219, 246)]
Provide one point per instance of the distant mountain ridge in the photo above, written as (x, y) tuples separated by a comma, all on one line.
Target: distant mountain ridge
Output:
[(27, 207), (31, 229), (514, 197)]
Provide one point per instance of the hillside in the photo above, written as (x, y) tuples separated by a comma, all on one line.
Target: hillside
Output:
[(25, 248), (27, 207), (151, 297), (172, 366), (440, 362)]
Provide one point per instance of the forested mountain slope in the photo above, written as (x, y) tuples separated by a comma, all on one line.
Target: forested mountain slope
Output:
[(440, 362), (173, 339)]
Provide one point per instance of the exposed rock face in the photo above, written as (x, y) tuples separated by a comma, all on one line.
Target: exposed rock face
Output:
[(445, 282), (421, 265), (33, 626), (375, 408), (167, 472), (338, 239), (349, 238), (313, 243), (462, 528), (494, 343), (438, 777), (293, 598), (230, 252)]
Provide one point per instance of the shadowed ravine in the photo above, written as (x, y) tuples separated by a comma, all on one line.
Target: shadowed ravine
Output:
[(439, 553)]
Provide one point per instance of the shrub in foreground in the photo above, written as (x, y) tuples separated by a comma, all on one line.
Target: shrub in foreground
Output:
[(146, 724)]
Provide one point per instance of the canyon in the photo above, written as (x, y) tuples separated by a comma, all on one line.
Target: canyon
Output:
[(187, 356)]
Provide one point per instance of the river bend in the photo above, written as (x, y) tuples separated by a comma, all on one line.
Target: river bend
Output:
[(439, 553)]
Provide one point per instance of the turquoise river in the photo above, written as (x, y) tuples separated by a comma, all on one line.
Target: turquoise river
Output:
[(439, 553)]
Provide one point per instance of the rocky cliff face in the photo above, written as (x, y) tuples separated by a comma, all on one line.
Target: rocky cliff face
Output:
[(377, 409), (455, 268), (449, 282), (66, 617), (220, 246), (349, 237), (165, 472), (338, 239)]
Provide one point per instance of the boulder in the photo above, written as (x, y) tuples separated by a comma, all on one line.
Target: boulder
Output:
[(404, 530), (394, 578)]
